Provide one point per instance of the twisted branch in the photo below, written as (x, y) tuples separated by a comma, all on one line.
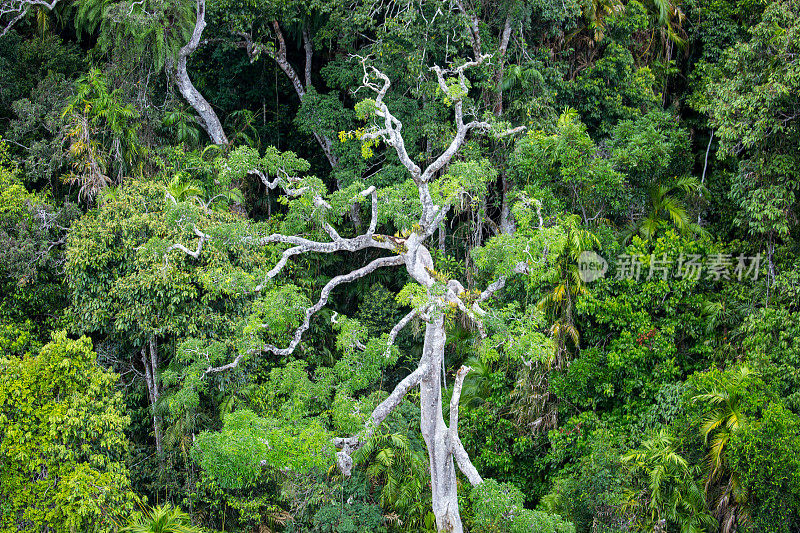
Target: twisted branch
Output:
[(311, 311), (19, 8)]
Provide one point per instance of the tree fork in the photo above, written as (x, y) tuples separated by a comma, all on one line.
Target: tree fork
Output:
[(445, 449)]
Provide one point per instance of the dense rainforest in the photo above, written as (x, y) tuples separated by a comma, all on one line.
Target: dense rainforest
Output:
[(399, 265)]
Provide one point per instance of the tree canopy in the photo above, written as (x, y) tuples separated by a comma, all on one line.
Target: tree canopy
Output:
[(399, 266)]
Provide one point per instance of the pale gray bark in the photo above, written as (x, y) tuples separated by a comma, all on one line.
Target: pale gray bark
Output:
[(17, 9), (500, 67), (436, 433), (208, 117), (150, 362), (474, 28), (507, 224), (444, 445), (703, 177)]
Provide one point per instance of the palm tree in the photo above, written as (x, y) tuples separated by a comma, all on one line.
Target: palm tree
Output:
[(595, 12), (722, 318), (534, 407), (674, 495), (162, 519), (559, 303), (668, 15), (403, 471), (184, 189), (666, 207), (477, 385), (726, 418)]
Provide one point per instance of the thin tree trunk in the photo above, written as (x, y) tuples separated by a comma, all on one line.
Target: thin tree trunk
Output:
[(280, 58), (703, 177), (507, 224), (208, 117), (500, 69), (150, 362)]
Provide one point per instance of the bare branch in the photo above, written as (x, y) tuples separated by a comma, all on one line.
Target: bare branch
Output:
[(379, 414), (398, 328), (271, 185), (280, 58), (302, 245), (19, 8), (390, 133), (14, 21), (453, 296), (337, 243), (519, 268), (441, 213), (454, 400), (311, 311), (499, 68), (373, 222), (177, 246), (464, 463)]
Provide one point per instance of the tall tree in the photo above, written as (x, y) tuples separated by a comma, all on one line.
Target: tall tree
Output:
[(431, 294)]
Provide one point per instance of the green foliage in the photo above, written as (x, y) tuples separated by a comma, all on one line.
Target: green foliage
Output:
[(620, 100), (726, 398), (766, 455), (593, 486), (497, 507), (124, 281), (40, 125), (747, 96), (667, 209), (650, 149), (613, 88), (162, 519), (567, 164), (247, 444), (674, 493), (346, 510), (30, 283), (102, 132), (392, 461), (153, 29), (64, 449)]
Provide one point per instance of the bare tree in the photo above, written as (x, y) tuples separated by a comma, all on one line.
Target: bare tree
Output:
[(445, 449)]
